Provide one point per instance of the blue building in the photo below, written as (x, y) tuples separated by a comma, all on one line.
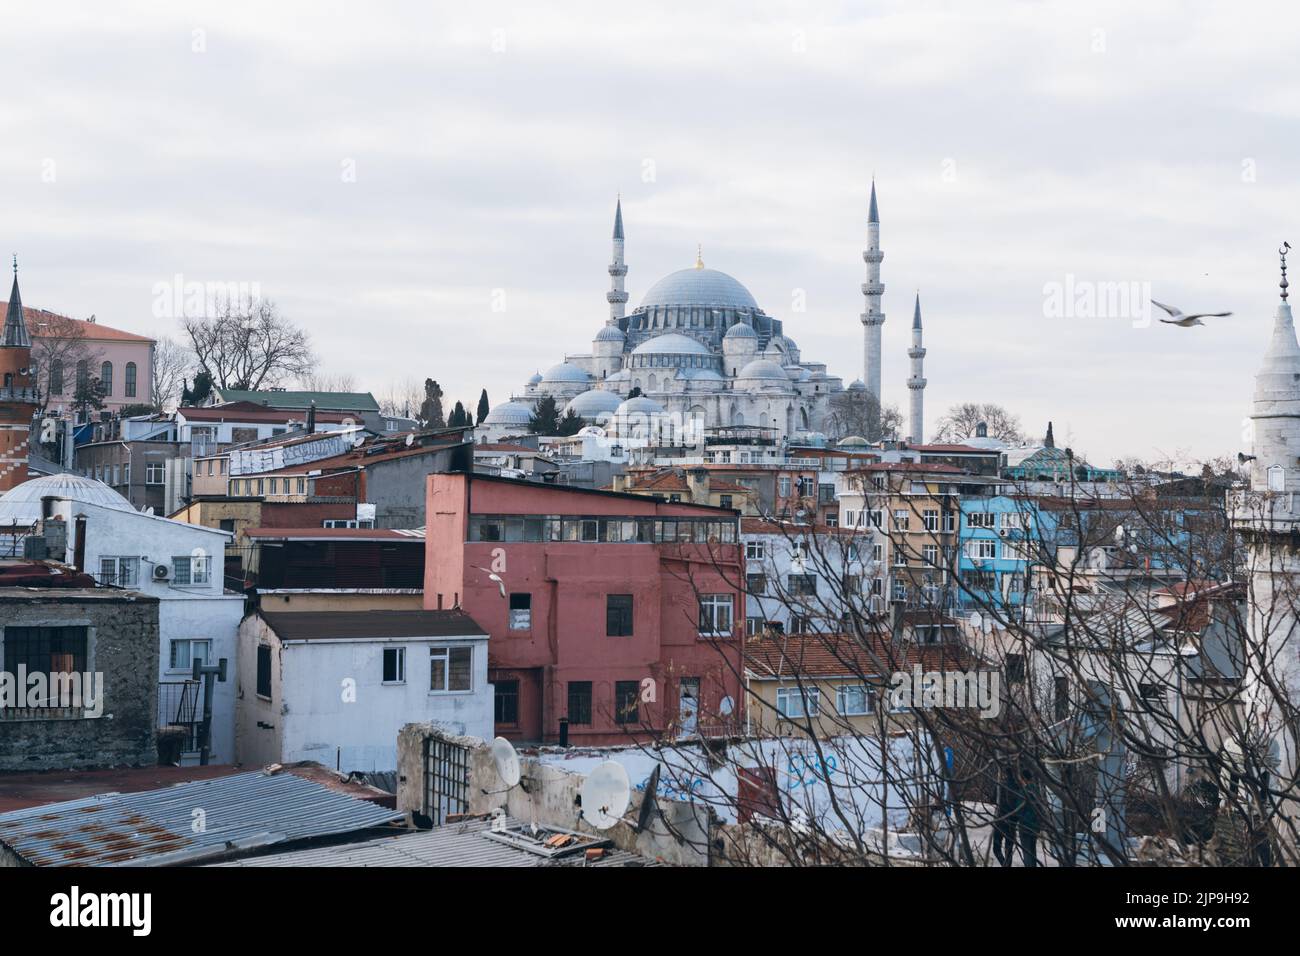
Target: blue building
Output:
[(999, 539)]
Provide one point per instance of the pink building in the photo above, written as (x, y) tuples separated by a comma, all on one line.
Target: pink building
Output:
[(122, 361), (620, 613)]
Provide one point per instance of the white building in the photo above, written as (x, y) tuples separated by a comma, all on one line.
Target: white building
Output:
[(336, 686), (180, 564)]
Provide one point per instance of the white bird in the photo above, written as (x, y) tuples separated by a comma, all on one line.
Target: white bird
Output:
[(493, 576), (1187, 321)]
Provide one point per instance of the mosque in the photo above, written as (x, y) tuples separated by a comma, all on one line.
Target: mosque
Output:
[(699, 353)]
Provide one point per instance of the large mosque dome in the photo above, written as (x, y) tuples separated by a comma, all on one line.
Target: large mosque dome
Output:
[(22, 503), (698, 287)]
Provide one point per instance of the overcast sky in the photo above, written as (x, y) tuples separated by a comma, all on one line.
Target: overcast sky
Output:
[(381, 170)]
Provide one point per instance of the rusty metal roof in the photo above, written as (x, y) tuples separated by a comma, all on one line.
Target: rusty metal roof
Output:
[(186, 822)]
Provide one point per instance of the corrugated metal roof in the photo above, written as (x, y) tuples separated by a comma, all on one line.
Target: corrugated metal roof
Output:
[(158, 827), (456, 844)]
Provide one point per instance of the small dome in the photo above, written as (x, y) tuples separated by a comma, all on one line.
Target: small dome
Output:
[(798, 373), (641, 405), (857, 385), (696, 287), (610, 333), (22, 503), (535, 378), (671, 343), (509, 413), (790, 345), (565, 373), (762, 369), (854, 441), (613, 380), (740, 331), (593, 403), (699, 374)]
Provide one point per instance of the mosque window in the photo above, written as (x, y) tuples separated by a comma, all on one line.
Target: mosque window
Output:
[(1276, 478)]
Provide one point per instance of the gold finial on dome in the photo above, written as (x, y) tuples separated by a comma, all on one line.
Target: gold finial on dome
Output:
[(699, 256)]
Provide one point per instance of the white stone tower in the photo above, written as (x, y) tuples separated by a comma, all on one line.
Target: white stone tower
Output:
[(616, 296), (873, 318), (1268, 518), (916, 384)]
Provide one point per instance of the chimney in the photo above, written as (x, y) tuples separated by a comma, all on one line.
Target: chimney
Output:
[(697, 484), (620, 483), (311, 418), (896, 621)]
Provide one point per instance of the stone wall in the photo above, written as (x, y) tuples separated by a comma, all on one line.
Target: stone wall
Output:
[(123, 632)]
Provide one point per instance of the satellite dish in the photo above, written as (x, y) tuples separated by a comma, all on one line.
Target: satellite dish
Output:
[(410, 440), (605, 795), (358, 441), (726, 706), (649, 800), (507, 761), (976, 621)]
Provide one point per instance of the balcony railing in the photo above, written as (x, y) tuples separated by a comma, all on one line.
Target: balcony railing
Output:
[(180, 708)]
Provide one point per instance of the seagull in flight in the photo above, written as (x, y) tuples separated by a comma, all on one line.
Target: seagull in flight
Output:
[(492, 576), (1187, 321)]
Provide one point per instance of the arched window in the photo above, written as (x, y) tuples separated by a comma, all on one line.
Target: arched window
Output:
[(1276, 478), (106, 377), (56, 377), (130, 380), (83, 375)]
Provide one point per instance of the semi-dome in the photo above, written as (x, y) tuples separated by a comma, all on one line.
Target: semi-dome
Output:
[(762, 369), (610, 333), (509, 413), (593, 403), (22, 503), (641, 405), (699, 287), (565, 373), (671, 343), (740, 331)]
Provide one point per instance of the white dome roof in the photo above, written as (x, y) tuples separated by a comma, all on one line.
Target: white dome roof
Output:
[(610, 333), (23, 502), (592, 403), (671, 343), (765, 370), (694, 287), (535, 378), (857, 385), (740, 331), (565, 372), (854, 441), (509, 413), (641, 405)]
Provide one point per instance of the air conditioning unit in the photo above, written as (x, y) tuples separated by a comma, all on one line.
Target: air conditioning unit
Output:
[(161, 572)]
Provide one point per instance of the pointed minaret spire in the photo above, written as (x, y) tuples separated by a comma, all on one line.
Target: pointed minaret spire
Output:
[(1285, 248), (1049, 441), (872, 290), (916, 383), (15, 334), (616, 296)]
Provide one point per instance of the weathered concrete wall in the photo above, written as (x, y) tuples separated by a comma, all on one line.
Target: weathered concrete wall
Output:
[(123, 647), (549, 796)]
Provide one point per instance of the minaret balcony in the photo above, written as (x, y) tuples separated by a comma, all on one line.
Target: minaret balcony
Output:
[(616, 270), (873, 318), (619, 297), (916, 383), (873, 256), (873, 288)]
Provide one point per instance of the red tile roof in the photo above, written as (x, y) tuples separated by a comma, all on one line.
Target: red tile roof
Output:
[(36, 318)]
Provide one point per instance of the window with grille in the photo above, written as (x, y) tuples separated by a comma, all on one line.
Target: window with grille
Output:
[(618, 615), (579, 702), (627, 695), (505, 702)]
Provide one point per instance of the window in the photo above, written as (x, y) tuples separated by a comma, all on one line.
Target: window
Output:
[(900, 590), (800, 624), (900, 519), (715, 613), (56, 377), (83, 375), (45, 650), (505, 702), (186, 651), (724, 501), (983, 550), (153, 473), (191, 570), (878, 517), (802, 585), (579, 702), (627, 694), (878, 553), (755, 551), (130, 379), (264, 671), (1015, 668), (618, 615), (784, 487), (1276, 478), (521, 612), (450, 669), (931, 518), (753, 626), (106, 378), (226, 524), (949, 521), (852, 700), (394, 665), (981, 519), (798, 701), (121, 572), (900, 557), (930, 554), (1061, 703), (756, 583)]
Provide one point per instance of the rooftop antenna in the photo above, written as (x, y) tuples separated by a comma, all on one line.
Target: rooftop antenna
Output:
[(605, 795)]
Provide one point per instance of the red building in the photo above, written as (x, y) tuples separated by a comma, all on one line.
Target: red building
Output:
[(18, 401), (619, 613)]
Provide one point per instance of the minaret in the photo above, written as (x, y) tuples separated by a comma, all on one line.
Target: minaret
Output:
[(17, 392), (1268, 518), (616, 296), (916, 384), (873, 318)]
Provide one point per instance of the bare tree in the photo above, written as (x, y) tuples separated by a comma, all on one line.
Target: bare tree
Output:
[(402, 399), (249, 345), (858, 412), (59, 346), (171, 364), (318, 381), (961, 421)]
